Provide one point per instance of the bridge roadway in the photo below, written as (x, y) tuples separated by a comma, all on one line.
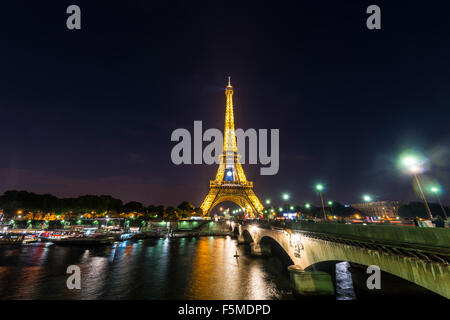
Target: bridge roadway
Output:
[(419, 255)]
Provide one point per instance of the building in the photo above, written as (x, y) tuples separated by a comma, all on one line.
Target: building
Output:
[(378, 208)]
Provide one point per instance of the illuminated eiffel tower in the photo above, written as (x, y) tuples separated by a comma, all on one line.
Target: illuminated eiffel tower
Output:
[(230, 183)]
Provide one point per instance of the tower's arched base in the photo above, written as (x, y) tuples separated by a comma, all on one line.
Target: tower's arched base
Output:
[(242, 196)]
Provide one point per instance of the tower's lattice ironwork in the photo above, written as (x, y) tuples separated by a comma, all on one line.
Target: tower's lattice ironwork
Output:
[(231, 183)]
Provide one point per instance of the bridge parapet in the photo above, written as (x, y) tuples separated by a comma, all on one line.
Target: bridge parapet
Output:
[(437, 238)]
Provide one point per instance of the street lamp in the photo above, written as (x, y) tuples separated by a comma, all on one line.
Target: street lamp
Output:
[(268, 201), (415, 166), (367, 198), (319, 188), (330, 203), (307, 205), (285, 196), (437, 191)]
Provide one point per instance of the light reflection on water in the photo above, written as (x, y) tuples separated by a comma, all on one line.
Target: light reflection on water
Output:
[(344, 282), (203, 268)]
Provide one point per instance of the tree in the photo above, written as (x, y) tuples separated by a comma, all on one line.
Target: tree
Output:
[(170, 213), (186, 208), (198, 212), (417, 209), (133, 206), (160, 211)]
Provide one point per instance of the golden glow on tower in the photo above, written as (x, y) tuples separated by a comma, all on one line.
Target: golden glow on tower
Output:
[(235, 186)]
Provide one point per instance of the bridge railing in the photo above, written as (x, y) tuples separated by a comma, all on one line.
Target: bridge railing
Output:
[(426, 237)]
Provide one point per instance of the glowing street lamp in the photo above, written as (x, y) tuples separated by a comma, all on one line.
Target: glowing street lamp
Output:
[(319, 188), (330, 203), (268, 201), (437, 191), (367, 198), (307, 205), (414, 165), (285, 196)]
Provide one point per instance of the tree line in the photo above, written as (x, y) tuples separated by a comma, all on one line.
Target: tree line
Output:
[(14, 201)]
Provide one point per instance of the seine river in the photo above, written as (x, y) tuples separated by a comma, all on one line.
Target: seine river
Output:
[(186, 268)]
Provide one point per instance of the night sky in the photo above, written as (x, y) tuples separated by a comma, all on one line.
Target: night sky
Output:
[(92, 111)]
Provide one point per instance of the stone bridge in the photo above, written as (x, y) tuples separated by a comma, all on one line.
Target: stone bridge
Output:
[(419, 255)]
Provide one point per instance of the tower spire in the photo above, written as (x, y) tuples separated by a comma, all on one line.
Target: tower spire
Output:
[(229, 81)]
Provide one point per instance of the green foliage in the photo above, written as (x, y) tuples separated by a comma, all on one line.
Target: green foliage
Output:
[(417, 209), (13, 200), (133, 206)]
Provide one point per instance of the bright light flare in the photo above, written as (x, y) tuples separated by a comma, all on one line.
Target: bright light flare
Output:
[(413, 162), (409, 161), (415, 169)]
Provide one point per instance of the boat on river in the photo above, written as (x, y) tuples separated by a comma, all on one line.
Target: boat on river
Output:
[(17, 239), (83, 241)]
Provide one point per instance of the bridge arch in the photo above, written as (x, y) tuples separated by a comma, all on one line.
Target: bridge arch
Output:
[(270, 246), (305, 251), (247, 236)]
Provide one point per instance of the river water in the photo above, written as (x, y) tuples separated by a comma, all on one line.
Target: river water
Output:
[(203, 268)]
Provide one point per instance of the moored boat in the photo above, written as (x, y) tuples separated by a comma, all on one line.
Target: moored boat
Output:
[(84, 241), (17, 239)]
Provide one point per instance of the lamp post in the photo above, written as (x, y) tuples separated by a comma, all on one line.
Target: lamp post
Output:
[(436, 191), (330, 204), (285, 197), (414, 166), (319, 188)]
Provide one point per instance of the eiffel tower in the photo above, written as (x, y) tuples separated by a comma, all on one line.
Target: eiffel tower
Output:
[(230, 183)]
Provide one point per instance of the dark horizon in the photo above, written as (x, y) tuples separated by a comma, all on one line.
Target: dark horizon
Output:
[(92, 111)]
